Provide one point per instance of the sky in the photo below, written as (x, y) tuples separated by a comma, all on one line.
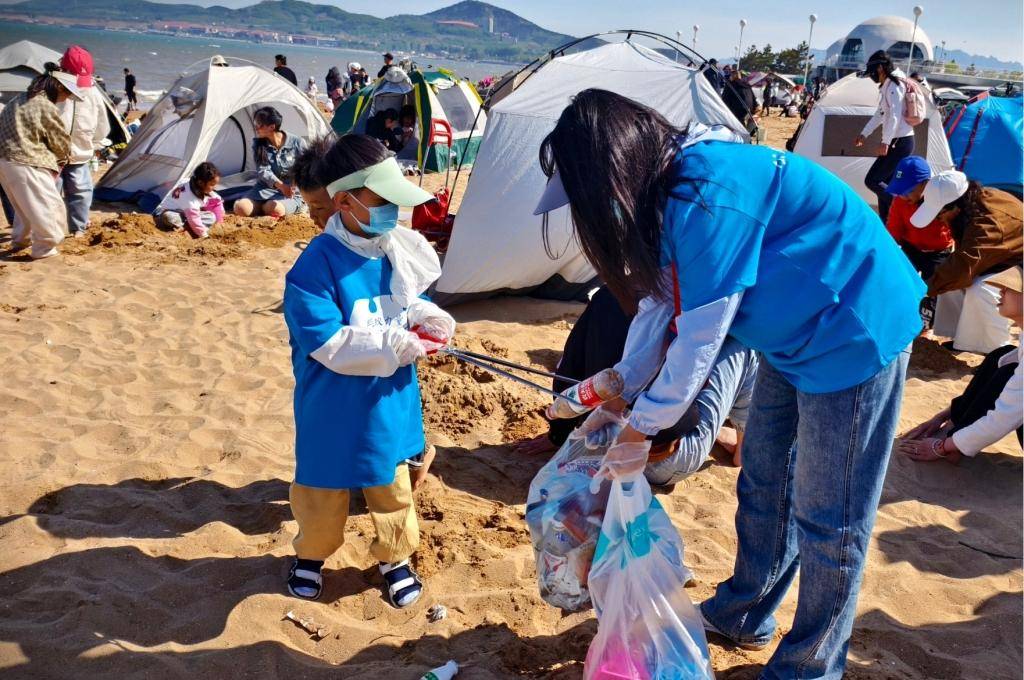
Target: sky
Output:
[(985, 27)]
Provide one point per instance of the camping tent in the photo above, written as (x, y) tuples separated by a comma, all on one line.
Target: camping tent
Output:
[(22, 61), (949, 94), (206, 116), (447, 109), (496, 243), (838, 117), (986, 138)]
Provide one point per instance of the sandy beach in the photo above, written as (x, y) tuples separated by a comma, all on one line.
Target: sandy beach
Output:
[(146, 450)]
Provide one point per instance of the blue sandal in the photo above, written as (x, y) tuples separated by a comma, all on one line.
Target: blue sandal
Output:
[(404, 586), (304, 579)]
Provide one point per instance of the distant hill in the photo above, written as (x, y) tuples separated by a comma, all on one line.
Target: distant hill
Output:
[(460, 30), (962, 59), (982, 63)]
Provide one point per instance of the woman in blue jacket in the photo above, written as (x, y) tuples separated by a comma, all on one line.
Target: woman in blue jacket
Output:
[(774, 251)]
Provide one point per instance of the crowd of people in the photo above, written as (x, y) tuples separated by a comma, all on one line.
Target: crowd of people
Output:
[(739, 96), (697, 316), (699, 254)]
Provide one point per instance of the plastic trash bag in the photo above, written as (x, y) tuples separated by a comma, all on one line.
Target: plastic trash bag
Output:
[(647, 627), (564, 518)]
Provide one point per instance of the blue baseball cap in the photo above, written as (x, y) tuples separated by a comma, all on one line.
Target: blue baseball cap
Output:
[(910, 172)]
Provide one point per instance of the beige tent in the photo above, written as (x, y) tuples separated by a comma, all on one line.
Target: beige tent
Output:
[(206, 116)]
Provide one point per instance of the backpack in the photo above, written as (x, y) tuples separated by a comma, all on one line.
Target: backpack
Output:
[(914, 108)]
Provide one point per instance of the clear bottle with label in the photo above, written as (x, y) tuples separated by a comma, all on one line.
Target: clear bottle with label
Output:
[(588, 394)]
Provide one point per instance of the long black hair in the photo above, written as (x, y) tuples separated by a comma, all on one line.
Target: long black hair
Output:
[(881, 58), (614, 158)]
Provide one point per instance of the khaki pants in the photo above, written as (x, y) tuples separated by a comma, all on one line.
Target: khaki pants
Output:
[(322, 514), (41, 216)]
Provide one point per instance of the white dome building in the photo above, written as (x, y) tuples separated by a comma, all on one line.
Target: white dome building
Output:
[(892, 34)]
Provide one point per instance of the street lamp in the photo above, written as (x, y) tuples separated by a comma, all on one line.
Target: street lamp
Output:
[(918, 11), (739, 48), (807, 66), (696, 28)]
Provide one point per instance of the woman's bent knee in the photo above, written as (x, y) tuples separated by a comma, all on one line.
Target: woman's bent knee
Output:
[(244, 207)]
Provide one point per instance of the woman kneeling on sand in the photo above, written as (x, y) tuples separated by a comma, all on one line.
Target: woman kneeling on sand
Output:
[(771, 250), (990, 407)]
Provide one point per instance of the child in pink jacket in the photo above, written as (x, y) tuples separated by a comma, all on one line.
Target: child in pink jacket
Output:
[(193, 205)]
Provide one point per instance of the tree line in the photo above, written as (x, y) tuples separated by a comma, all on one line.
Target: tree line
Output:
[(766, 59)]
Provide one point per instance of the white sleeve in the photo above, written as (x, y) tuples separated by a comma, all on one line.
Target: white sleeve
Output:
[(102, 123), (645, 346), (362, 351), (1003, 419), (875, 122), (688, 362), (894, 104)]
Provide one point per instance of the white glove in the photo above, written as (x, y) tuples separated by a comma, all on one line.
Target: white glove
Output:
[(431, 319), (406, 345), (440, 327), (622, 461), (600, 428)]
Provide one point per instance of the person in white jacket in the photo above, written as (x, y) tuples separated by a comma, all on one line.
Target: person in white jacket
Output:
[(87, 123), (897, 134), (991, 407)]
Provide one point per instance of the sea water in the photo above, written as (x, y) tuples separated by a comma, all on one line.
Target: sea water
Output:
[(158, 60)]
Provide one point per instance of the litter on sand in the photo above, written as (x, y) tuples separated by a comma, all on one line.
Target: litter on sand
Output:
[(307, 624), (437, 612)]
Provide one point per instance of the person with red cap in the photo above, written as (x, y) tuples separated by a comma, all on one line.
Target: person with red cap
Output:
[(87, 123)]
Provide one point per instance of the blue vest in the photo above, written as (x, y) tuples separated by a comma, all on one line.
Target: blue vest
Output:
[(350, 431), (828, 297)]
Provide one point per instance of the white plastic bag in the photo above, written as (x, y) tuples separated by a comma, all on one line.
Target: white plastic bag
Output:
[(647, 627), (564, 518)]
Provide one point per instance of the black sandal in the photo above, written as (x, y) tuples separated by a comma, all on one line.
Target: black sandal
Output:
[(304, 579), (404, 586)]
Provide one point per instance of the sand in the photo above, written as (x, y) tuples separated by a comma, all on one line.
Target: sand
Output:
[(146, 450)]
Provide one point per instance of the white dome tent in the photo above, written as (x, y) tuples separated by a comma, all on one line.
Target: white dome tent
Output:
[(496, 245), (206, 116), (890, 33), (838, 117)]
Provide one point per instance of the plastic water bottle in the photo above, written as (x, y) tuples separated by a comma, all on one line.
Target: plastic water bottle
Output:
[(588, 394), (445, 672)]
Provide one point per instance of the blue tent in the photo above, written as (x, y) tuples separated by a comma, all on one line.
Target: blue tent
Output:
[(986, 138)]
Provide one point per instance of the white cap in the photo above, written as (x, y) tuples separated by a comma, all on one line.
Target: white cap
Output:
[(69, 82), (941, 190), (554, 196)]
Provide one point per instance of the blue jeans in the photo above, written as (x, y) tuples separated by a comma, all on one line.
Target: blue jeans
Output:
[(813, 467), (727, 394), (76, 181)]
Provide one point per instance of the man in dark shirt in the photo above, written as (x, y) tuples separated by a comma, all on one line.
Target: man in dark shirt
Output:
[(282, 69), (388, 59), (738, 97), (129, 91), (713, 76)]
